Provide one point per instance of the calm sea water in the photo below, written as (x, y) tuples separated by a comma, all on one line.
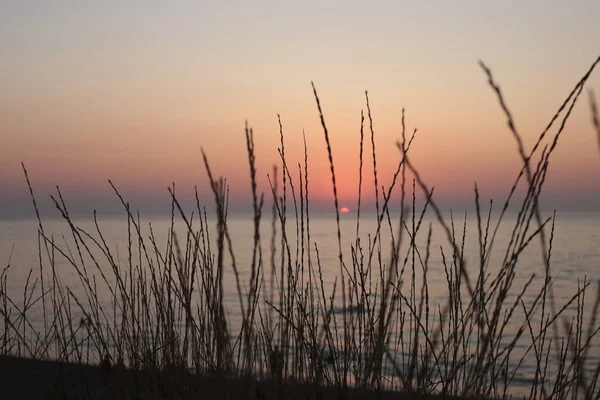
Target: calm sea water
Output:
[(575, 258)]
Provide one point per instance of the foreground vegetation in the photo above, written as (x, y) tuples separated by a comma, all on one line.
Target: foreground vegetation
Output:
[(376, 329)]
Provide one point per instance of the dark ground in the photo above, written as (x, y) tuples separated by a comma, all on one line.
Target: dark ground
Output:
[(22, 378)]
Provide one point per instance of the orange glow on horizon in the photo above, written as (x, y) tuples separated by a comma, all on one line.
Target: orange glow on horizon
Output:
[(142, 115)]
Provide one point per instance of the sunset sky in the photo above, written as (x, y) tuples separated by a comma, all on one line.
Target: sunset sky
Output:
[(98, 90)]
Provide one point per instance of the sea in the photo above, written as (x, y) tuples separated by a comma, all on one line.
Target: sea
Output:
[(572, 238)]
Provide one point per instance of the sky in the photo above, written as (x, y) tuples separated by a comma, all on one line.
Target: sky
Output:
[(132, 91)]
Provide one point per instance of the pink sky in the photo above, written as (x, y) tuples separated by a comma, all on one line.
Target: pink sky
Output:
[(94, 91)]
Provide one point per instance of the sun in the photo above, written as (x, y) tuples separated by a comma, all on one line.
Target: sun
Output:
[(344, 210)]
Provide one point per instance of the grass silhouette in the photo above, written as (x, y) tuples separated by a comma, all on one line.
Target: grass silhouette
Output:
[(167, 332)]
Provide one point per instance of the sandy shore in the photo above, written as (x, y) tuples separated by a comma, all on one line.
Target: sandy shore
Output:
[(22, 378)]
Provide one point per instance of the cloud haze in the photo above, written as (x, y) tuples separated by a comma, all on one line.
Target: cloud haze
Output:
[(91, 91)]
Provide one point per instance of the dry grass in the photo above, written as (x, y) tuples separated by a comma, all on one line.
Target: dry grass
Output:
[(167, 315)]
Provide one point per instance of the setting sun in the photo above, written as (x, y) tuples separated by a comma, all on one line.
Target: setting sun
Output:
[(344, 210)]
